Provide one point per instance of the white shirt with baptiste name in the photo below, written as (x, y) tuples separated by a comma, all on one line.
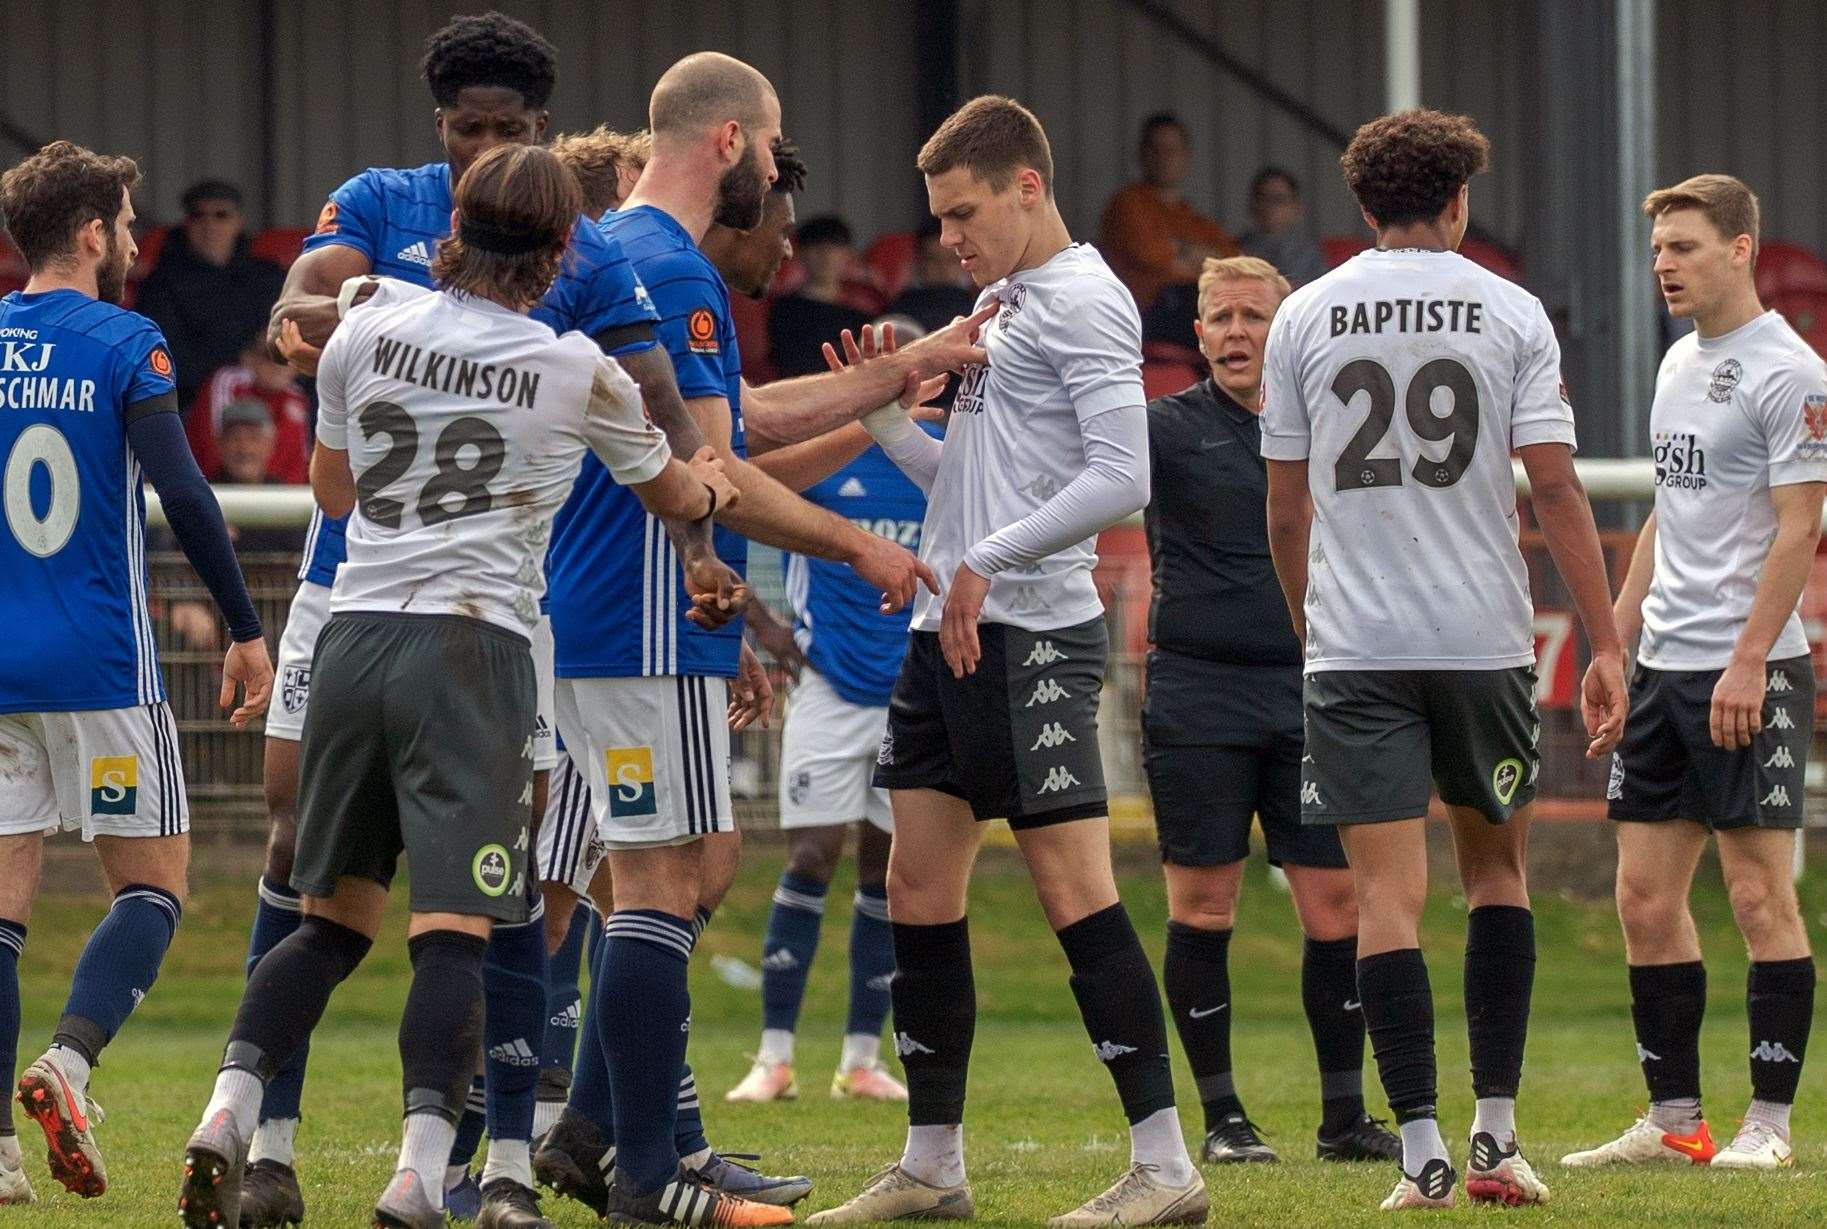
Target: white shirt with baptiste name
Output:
[(1734, 416)]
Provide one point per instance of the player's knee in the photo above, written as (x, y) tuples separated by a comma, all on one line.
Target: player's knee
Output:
[(814, 860), (1759, 907), (1206, 901)]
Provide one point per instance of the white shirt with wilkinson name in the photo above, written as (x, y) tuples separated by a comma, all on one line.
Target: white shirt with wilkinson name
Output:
[(1404, 379), (1065, 348), (1734, 416), (465, 424)]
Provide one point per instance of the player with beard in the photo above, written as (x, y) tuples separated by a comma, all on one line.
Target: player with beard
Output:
[(87, 406)]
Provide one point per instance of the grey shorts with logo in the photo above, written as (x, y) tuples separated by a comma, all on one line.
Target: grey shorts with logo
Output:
[(417, 739), (1377, 740)]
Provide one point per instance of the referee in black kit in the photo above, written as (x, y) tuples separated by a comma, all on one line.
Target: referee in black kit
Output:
[(1221, 728)]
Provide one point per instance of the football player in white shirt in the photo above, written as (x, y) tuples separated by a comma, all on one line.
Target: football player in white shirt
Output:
[(1395, 390), (453, 426), (1722, 702), (994, 713)]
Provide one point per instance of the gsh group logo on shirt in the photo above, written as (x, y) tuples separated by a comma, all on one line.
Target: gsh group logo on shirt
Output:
[(631, 789), (1680, 461), (114, 784)]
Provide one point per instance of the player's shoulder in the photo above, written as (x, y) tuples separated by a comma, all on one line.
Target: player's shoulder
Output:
[(108, 323), (658, 247), (1784, 353), (1080, 274), (418, 184)]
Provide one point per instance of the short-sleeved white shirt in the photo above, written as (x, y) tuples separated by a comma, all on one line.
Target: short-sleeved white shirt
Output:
[(1066, 347), (1405, 378), (1734, 415), (465, 424)]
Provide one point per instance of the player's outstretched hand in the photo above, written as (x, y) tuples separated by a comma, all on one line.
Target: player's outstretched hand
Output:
[(1737, 715), (718, 594), (248, 665), (958, 626), (952, 348), (1603, 703), (751, 695), (893, 569), (300, 355)]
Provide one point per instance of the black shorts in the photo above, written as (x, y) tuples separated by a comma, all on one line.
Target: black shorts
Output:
[(1668, 768), (417, 739), (1377, 739), (1222, 745), (1017, 739)]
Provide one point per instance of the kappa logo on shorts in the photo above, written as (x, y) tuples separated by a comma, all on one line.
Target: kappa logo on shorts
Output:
[(1309, 794), (1780, 758), (1614, 788), (114, 784), (1779, 683), (884, 755), (295, 688), (1052, 736), (1045, 692), (1059, 779), (490, 868), (1044, 654), (1505, 778), (631, 788), (799, 787), (1777, 797), (1780, 720)]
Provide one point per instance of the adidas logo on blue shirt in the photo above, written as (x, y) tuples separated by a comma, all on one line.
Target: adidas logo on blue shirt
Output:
[(853, 488), (417, 254)]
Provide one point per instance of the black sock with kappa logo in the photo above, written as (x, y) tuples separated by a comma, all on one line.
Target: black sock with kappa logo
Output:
[(1115, 988), (1196, 974), (935, 1018), (1667, 1004), (1499, 979), (1779, 1000)]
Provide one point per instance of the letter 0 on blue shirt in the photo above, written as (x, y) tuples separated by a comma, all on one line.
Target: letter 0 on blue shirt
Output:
[(396, 217)]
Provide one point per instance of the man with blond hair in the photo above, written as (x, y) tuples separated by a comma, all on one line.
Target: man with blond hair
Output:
[(1722, 702), (605, 163), (1221, 729)]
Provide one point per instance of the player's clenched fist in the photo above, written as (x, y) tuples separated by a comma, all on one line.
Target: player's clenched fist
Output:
[(707, 468)]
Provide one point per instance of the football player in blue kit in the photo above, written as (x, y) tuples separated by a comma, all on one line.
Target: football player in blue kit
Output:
[(88, 406)]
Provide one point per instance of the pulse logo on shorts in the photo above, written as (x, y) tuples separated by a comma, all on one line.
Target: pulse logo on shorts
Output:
[(490, 869), (114, 784), (631, 788), (1505, 779)]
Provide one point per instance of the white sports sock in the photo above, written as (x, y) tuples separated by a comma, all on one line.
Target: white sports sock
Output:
[(239, 1092), (509, 1158), (935, 1155), (776, 1046), (1680, 1116), (1157, 1140), (545, 1116), (1496, 1116), (74, 1066), (425, 1144), (10, 1157), (1421, 1143), (697, 1159), (860, 1050), (273, 1141), (1774, 1113), (454, 1175)]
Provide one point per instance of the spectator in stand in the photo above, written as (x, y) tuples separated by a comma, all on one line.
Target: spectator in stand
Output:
[(1151, 235), (253, 377), (606, 164), (207, 293), (799, 324), (1278, 228), (939, 290)]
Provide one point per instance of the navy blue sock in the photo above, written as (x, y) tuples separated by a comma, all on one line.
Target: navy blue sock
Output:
[(788, 948), (590, 1092), (12, 942), (871, 961), (469, 1126), (277, 916), (514, 1028), (645, 1004), (118, 966), (564, 1007)]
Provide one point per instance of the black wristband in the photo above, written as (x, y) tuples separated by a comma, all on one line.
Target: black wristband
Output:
[(712, 492)]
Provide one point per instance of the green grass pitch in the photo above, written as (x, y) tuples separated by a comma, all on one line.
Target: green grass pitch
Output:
[(1044, 1130)]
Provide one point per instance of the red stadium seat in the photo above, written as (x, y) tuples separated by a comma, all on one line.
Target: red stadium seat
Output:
[(1340, 248), (151, 241), (1806, 312), (1783, 268), (280, 244), (1164, 379), (890, 260)]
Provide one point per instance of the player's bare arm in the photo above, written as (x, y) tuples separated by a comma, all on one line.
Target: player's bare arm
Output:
[(332, 481), (1627, 612), (1738, 697), (691, 492), (1565, 517), (309, 296), (771, 514), (1290, 522)]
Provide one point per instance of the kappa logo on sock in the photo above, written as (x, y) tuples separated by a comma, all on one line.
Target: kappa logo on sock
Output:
[(114, 784), (780, 960), (139, 996), (515, 1053), (1773, 1052), (1110, 1051), (906, 1046), (1647, 1055)]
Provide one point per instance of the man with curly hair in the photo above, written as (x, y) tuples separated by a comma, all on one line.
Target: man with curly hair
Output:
[(1395, 541)]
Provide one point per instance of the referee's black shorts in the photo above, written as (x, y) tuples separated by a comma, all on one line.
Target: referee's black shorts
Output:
[(1221, 745)]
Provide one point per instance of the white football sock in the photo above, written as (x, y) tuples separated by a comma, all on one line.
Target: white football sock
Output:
[(1775, 1113), (240, 1092), (1421, 1143), (1679, 1116), (453, 1176), (776, 1046), (273, 1141), (509, 1158), (1157, 1140), (425, 1147), (860, 1050), (1496, 1116), (545, 1116), (698, 1159), (74, 1066), (10, 1157), (935, 1155)]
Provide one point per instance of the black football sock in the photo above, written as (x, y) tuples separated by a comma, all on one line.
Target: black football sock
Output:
[(1399, 1018), (1329, 993), (1499, 977), (1196, 975), (1115, 988), (1780, 1004), (935, 1018), (441, 1027), (1667, 1004)]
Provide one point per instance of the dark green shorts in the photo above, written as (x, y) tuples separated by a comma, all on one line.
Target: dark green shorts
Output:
[(1378, 740), (417, 740)]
